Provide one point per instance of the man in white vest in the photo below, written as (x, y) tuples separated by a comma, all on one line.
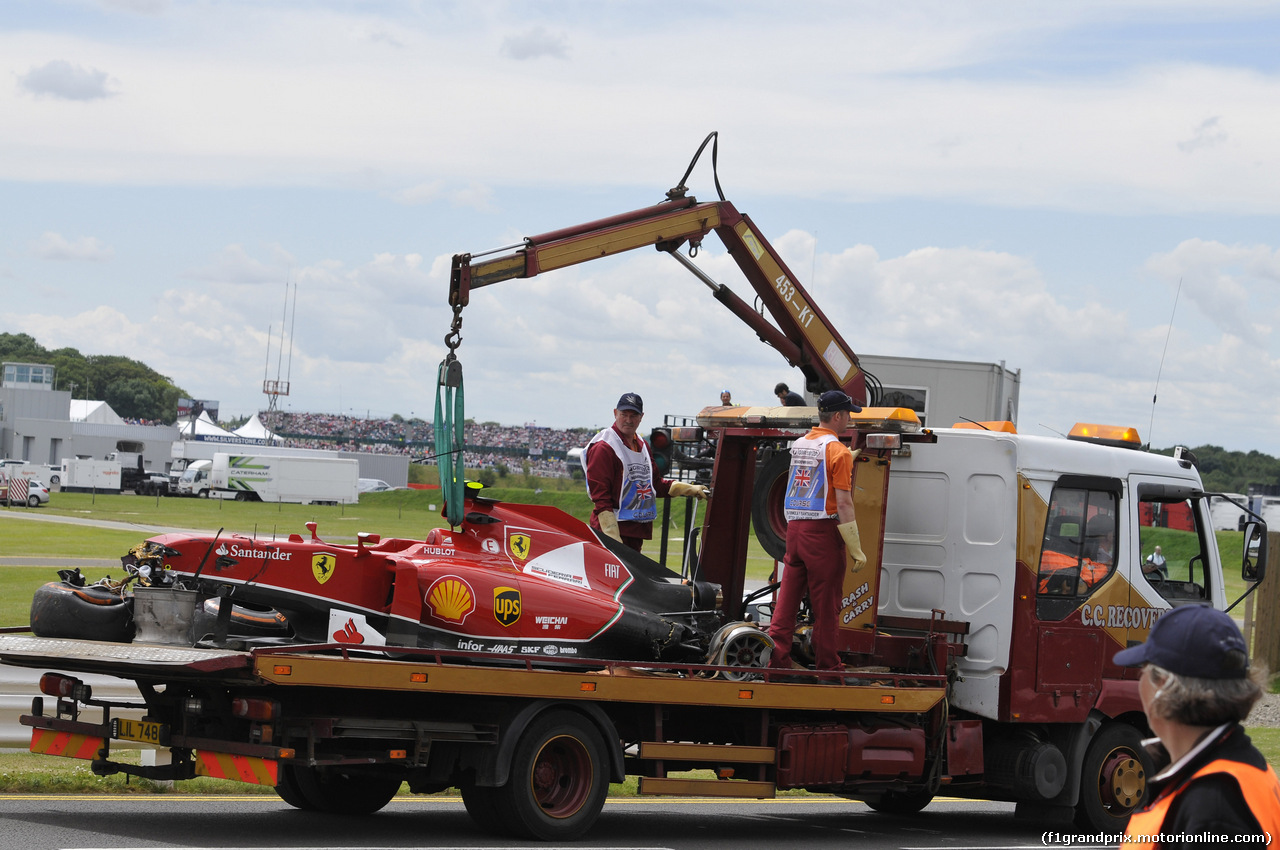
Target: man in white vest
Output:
[(623, 480), (821, 527)]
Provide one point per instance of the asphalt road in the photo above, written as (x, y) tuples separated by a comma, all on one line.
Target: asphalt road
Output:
[(789, 823)]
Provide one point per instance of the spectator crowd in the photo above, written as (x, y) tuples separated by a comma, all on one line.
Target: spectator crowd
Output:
[(487, 444)]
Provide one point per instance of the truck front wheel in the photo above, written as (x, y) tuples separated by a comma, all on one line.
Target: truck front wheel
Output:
[(1113, 779), (558, 780)]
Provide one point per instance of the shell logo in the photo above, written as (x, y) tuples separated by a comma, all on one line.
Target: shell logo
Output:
[(451, 599)]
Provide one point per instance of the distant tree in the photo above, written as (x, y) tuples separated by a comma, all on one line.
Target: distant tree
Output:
[(22, 348), (487, 477), (134, 398), (503, 469)]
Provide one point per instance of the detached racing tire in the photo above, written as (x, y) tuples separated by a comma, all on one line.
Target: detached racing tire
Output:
[(558, 781), (766, 505), (62, 610), (287, 788), (334, 790), (1113, 779), (482, 806), (901, 802)]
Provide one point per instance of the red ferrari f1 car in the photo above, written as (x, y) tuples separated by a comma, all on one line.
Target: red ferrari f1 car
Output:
[(513, 580)]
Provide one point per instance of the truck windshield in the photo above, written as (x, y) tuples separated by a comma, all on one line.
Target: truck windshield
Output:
[(1080, 545), (1172, 537)]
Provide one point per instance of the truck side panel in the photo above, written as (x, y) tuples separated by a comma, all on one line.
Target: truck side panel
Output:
[(950, 544)]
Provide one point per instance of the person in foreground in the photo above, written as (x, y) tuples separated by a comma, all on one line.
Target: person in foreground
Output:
[(1196, 687), (821, 529), (623, 480)]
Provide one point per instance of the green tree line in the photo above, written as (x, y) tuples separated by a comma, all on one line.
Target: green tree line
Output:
[(133, 389), (1233, 472)]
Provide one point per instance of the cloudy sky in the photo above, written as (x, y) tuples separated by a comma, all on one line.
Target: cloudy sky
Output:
[(1052, 185)]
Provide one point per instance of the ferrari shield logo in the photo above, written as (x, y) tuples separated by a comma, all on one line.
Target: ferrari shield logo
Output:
[(506, 605), (322, 566), (519, 545)]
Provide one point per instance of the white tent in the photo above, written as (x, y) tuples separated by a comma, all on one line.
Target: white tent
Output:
[(97, 412), (255, 430), (203, 427)]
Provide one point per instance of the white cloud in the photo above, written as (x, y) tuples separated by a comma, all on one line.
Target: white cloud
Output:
[(60, 79), (1208, 134), (535, 42), (55, 246), (1234, 286)]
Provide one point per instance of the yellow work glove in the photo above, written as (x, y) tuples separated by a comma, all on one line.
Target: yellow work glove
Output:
[(609, 524), (679, 488), (852, 542), (855, 453)]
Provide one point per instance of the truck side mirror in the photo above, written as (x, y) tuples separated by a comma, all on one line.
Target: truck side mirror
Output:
[(1253, 564)]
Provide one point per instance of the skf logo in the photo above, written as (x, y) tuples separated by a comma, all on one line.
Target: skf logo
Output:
[(323, 565), (519, 545), (451, 599), (506, 605)]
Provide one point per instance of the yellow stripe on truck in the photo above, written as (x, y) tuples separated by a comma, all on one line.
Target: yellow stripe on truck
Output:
[(250, 769)]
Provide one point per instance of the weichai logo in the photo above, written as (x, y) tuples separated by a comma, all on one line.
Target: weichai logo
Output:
[(506, 605)]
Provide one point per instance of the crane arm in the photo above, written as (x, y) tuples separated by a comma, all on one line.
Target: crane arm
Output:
[(803, 335)]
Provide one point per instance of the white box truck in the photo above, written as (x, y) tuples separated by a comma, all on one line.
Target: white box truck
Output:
[(269, 478), (82, 475)]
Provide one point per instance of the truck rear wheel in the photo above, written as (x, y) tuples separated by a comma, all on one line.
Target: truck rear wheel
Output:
[(338, 792), (1113, 779), (558, 779)]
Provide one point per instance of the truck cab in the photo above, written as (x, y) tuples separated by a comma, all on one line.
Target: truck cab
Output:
[(195, 479)]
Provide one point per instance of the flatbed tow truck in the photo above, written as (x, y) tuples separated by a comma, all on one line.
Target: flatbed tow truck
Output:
[(978, 647)]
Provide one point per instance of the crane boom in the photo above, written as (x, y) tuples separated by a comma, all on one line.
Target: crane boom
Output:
[(802, 335)]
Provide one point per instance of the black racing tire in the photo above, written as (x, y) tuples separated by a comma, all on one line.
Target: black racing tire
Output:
[(482, 806), (62, 610), (558, 781), (337, 791), (1113, 779), (901, 803), (766, 505), (288, 789)]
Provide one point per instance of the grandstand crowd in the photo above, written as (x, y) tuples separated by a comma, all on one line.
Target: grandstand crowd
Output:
[(487, 444)]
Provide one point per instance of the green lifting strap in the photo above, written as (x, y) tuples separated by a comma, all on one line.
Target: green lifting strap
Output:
[(449, 423)]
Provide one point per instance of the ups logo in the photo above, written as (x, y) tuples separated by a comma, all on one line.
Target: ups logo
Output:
[(506, 605)]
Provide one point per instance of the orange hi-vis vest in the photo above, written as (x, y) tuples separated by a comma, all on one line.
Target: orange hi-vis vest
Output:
[(1261, 790), (1052, 562)]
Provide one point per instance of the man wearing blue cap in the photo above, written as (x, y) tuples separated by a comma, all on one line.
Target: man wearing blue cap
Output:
[(1196, 687), (623, 480), (821, 527)]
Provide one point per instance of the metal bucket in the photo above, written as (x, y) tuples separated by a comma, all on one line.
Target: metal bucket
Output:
[(164, 615)]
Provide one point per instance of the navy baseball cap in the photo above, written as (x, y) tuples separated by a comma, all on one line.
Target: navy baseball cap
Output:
[(1192, 640), (630, 401), (833, 401)]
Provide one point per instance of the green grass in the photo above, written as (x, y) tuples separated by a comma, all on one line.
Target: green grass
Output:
[(1178, 547)]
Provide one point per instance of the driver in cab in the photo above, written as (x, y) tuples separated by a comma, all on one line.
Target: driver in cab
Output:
[(1058, 569)]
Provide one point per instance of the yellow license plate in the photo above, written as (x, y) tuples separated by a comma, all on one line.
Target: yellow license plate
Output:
[(142, 731)]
